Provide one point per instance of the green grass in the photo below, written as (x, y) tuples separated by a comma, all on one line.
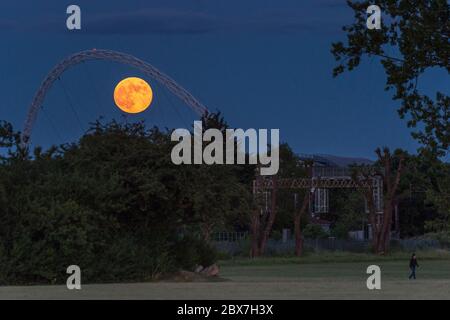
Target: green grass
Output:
[(343, 280), (325, 276), (392, 270)]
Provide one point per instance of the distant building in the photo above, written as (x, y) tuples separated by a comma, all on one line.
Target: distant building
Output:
[(337, 168)]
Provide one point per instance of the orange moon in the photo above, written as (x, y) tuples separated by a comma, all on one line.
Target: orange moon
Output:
[(133, 95)]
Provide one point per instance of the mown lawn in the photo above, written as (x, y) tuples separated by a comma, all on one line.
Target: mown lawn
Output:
[(312, 277)]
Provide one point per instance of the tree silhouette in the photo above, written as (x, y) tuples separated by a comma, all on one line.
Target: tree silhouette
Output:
[(414, 39)]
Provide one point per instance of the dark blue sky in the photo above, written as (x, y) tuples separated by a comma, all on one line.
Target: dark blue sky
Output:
[(264, 64)]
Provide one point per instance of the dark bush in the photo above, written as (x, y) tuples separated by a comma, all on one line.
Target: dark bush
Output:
[(112, 204), (314, 231), (191, 251)]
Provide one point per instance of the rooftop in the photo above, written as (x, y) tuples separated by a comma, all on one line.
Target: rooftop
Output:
[(327, 160)]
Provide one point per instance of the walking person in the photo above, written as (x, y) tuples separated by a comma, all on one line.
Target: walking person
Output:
[(413, 265)]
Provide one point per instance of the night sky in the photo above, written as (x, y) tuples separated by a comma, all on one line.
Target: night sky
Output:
[(264, 64)]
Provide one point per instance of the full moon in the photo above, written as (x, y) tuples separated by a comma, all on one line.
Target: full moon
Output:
[(133, 95)]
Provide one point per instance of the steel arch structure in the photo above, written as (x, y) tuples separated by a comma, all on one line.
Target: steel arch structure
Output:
[(96, 54)]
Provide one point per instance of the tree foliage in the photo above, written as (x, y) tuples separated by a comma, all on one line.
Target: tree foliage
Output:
[(414, 39), (112, 203)]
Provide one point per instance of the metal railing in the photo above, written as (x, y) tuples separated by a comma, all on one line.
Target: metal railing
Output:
[(230, 236)]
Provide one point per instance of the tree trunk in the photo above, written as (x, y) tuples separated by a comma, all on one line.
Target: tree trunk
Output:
[(381, 230), (271, 219), (297, 225), (255, 230), (387, 224), (298, 238), (207, 229)]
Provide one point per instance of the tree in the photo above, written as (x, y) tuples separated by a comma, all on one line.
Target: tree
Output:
[(265, 209), (346, 212), (440, 197), (11, 143), (421, 175), (365, 176), (301, 210), (414, 39), (263, 216), (271, 206), (218, 194), (113, 202)]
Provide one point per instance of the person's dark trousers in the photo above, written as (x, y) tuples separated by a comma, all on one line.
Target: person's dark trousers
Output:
[(413, 273)]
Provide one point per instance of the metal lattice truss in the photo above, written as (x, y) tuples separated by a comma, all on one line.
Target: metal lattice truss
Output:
[(304, 183), (109, 55), (319, 187)]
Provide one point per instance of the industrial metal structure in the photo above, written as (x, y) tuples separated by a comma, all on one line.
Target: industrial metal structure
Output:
[(325, 177), (96, 54)]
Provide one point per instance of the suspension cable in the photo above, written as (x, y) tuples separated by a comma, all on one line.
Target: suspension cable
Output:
[(52, 124), (69, 101), (183, 120), (93, 84)]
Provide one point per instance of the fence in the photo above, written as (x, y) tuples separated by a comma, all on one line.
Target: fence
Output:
[(279, 247), (230, 236)]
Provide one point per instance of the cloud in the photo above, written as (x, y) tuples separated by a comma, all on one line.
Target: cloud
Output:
[(151, 21), (191, 22), (279, 22), (179, 21)]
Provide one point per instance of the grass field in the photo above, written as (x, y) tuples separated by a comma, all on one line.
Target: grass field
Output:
[(277, 278)]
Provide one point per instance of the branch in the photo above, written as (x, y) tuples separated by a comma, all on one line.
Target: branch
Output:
[(386, 57)]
